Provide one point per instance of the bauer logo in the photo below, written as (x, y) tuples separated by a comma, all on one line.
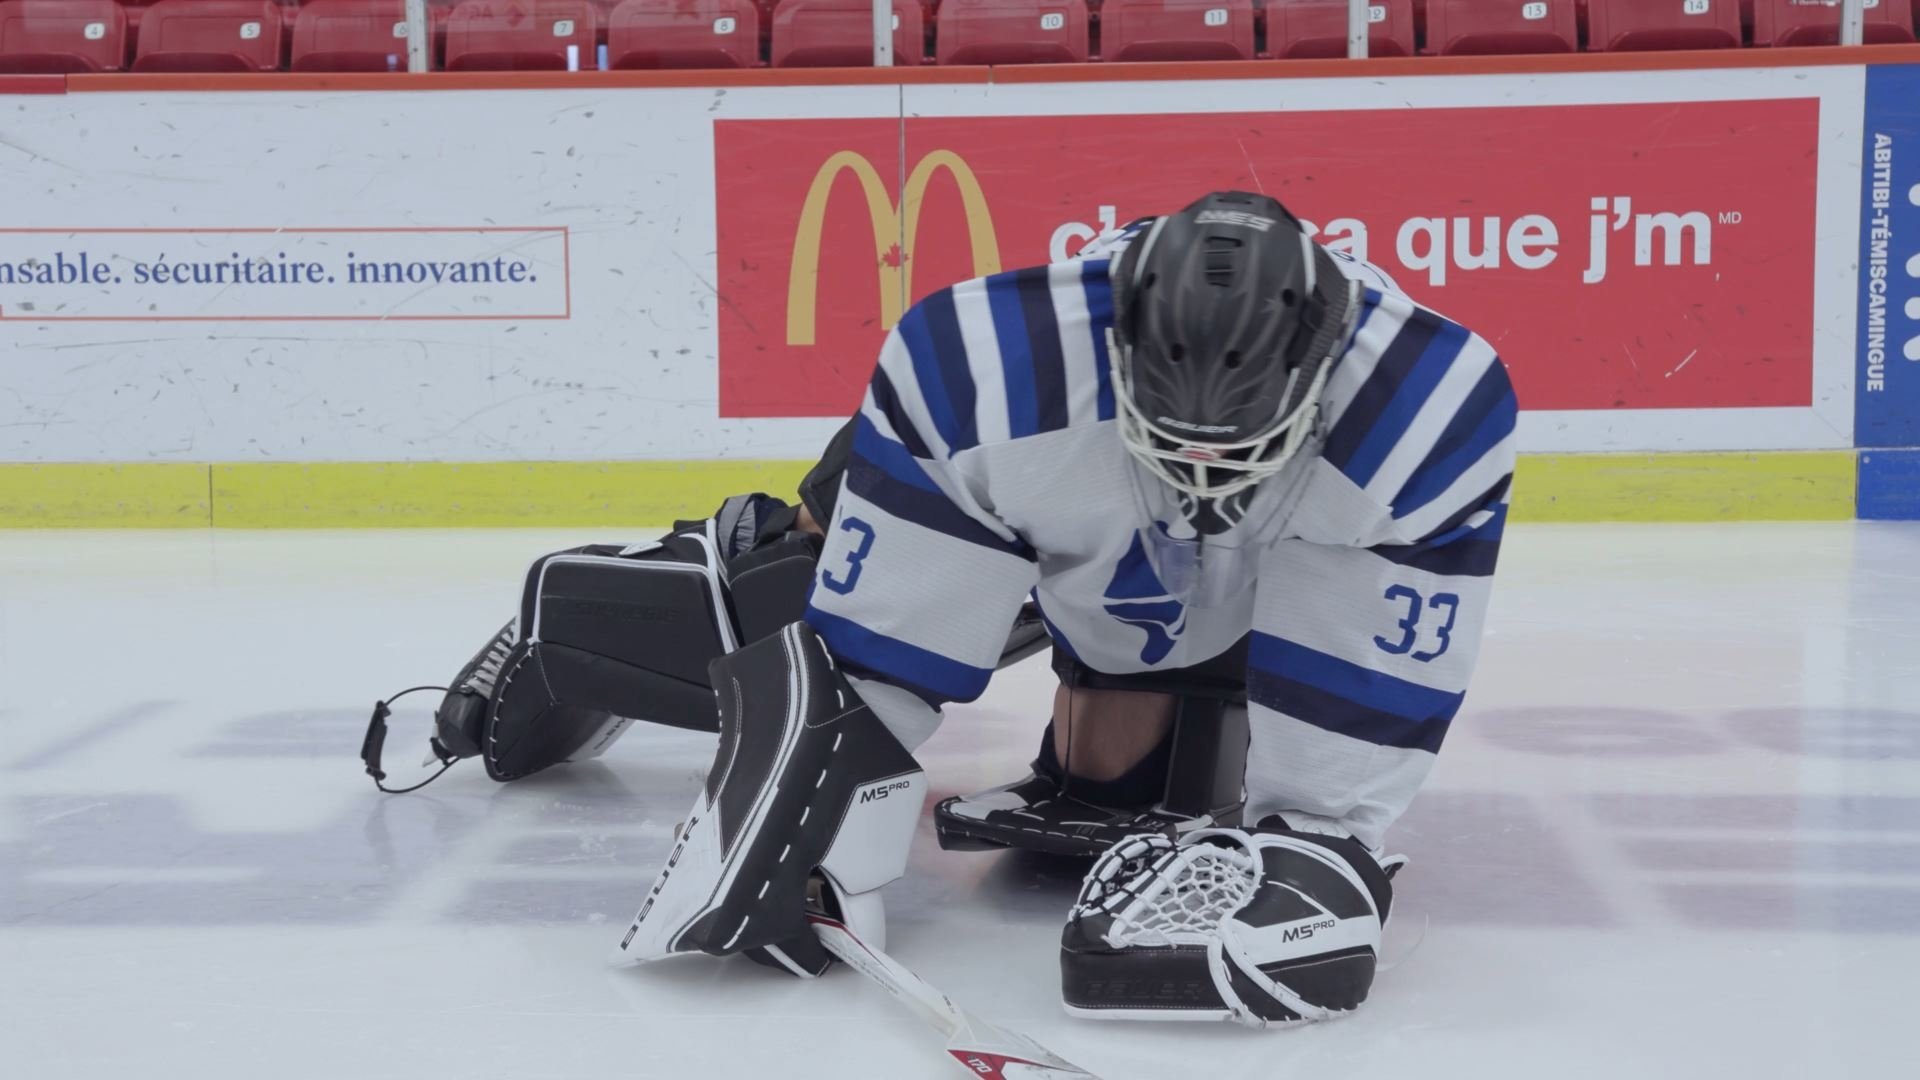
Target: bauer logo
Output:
[(1205, 429), (1235, 217), (1887, 382)]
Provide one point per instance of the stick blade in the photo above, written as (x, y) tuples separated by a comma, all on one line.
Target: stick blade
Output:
[(995, 1053), (983, 1049)]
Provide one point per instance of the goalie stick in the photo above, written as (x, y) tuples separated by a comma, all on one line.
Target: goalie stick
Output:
[(984, 1050)]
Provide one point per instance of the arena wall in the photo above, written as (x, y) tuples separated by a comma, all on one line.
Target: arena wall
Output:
[(611, 298)]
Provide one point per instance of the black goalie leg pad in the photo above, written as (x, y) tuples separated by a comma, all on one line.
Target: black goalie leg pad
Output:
[(806, 778), (612, 635), (609, 635)]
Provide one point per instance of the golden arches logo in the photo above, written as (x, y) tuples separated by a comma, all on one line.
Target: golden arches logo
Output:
[(894, 226)]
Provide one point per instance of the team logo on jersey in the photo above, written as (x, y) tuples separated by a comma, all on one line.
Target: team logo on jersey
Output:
[(1138, 599)]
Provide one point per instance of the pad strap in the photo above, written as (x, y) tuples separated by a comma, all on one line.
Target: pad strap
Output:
[(373, 745)]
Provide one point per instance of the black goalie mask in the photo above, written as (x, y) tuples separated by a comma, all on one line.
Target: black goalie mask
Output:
[(1226, 320)]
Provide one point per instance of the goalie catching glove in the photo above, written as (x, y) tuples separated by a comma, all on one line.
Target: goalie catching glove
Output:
[(807, 783), (1262, 926)]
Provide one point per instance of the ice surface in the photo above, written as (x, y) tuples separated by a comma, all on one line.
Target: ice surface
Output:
[(1675, 833)]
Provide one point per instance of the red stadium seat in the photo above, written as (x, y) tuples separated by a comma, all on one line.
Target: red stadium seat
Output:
[(135, 11), (1317, 29), (1817, 22), (351, 35), (1478, 27), (684, 34), (1642, 25), (520, 35), (1176, 30), (210, 35), (839, 33), (59, 37), (1012, 32)]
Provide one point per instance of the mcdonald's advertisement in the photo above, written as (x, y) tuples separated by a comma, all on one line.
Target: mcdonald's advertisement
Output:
[(1635, 257)]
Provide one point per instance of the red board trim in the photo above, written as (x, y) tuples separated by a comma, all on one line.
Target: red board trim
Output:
[(1820, 56), (33, 84)]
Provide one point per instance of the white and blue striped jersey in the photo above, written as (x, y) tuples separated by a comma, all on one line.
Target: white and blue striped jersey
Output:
[(987, 466)]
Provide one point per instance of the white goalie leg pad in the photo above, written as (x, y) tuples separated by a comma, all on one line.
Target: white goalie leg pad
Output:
[(860, 861), (864, 913), (806, 781)]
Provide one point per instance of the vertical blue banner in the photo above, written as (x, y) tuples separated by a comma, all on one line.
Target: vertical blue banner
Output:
[(1887, 384)]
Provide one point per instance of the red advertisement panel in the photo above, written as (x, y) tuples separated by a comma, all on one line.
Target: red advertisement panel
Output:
[(1618, 256)]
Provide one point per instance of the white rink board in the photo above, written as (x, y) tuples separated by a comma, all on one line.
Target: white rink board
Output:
[(604, 345), (627, 174)]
